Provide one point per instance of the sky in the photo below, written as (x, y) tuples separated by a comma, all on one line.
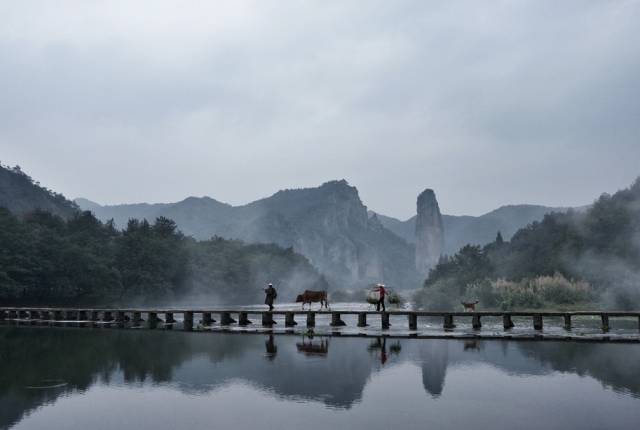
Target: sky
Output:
[(488, 103)]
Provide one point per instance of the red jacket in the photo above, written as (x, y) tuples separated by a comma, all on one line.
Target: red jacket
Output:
[(382, 291)]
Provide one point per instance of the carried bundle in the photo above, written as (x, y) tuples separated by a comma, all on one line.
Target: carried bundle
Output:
[(373, 296)]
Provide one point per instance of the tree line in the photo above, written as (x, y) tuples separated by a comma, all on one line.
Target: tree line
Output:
[(45, 259)]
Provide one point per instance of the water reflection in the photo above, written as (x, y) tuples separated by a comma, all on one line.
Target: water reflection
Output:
[(271, 348), (313, 347), (39, 364), (379, 348)]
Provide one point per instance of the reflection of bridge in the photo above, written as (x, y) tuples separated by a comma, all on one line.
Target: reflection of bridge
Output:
[(135, 316)]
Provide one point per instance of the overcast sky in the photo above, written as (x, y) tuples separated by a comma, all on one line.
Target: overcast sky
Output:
[(488, 103)]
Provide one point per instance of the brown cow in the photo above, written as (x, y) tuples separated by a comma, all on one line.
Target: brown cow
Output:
[(313, 297), (310, 348)]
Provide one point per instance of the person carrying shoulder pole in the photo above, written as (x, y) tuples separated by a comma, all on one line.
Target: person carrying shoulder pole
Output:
[(271, 295), (381, 291)]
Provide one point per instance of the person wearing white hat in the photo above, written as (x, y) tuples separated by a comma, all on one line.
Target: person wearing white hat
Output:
[(271, 295)]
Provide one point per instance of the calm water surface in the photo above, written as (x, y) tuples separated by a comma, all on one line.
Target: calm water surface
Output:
[(79, 378)]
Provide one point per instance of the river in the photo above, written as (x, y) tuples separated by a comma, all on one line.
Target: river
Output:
[(79, 378)]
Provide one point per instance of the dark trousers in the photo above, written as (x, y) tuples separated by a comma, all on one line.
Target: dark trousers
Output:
[(381, 303)]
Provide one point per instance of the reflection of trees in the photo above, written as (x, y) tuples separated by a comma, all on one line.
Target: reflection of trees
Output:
[(32, 355), (300, 370), (83, 357), (615, 365)]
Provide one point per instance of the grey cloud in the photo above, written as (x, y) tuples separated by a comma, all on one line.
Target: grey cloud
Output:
[(489, 104)]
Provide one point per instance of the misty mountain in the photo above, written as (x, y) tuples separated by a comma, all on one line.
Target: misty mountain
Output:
[(20, 194), (475, 230), (327, 224), (53, 253)]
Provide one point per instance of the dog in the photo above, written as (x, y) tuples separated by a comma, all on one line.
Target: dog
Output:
[(469, 307)]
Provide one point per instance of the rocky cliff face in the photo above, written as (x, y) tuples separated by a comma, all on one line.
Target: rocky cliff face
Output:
[(329, 225), (429, 232), (476, 230)]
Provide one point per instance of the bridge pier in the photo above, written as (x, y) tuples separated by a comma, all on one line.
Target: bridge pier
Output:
[(225, 319), (384, 320), (605, 322), (475, 322), (267, 319), (137, 318), (567, 321), (413, 321), (537, 322), (311, 319), (70, 315), (362, 319), (243, 319), (82, 315), (57, 315), (507, 322), (206, 319), (448, 322), (187, 318), (335, 320), (120, 316), (289, 319), (95, 316), (107, 316), (153, 319)]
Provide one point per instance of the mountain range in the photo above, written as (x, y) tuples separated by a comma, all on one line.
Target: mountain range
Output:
[(351, 245), (328, 224), (331, 226)]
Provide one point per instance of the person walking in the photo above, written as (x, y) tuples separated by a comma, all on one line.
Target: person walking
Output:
[(381, 291), (271, 295)]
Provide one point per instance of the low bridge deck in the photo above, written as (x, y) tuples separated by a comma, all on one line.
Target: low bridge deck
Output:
[(135, 316)]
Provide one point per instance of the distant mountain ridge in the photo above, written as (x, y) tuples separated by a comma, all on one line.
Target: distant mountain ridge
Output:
[(331, 226), (328, 224), (475, 230)]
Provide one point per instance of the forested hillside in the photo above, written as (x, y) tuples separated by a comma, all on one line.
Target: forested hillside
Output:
[(52, 253), (21, 194), (48, 260), (565, 259)]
